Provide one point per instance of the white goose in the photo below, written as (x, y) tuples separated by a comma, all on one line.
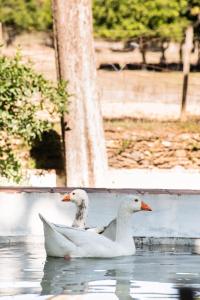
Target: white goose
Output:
[(74, 242), (80, 198)]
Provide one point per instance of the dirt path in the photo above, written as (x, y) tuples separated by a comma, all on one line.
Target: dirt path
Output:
[(123, 93)]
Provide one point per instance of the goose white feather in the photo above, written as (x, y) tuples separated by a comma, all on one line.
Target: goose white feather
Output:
[(61, 241)]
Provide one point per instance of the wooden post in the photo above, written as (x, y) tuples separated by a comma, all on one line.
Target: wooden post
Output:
[(198, 49), (1, 37), (85, 152), (187, 48)]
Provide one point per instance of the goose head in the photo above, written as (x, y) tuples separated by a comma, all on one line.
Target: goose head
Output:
[(135, 205), (139, 205), (78, 196)]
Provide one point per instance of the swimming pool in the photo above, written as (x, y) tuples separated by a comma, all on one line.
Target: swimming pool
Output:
[(153, 273)]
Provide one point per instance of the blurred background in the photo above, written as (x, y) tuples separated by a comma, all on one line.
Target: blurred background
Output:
[(148, 63)]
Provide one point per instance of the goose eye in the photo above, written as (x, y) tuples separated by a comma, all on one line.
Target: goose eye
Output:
[(73, 194), (136, 200)]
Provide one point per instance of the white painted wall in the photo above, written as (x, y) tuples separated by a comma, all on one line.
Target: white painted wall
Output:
[(172, 216)]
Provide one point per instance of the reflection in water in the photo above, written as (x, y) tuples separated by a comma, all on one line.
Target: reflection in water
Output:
[(150, 274), (153, 290), (87, 276), (110, 277), (136, 277), (62, 277)]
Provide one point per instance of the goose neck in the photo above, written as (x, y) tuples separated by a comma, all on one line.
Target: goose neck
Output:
[(81, 215), (123, 230)]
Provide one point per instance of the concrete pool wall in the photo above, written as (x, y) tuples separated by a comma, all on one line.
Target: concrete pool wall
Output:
[(175, 215)]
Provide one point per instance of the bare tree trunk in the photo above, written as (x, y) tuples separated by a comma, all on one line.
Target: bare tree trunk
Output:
[(181, 54), (187, 48), (164, 47), (143, 50), (163, 57), (85, 152)]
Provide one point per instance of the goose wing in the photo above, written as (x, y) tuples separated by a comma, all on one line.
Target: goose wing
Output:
[(109, 231), (80, 237)]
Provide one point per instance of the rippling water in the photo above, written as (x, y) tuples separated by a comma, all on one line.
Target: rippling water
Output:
[(150, 274)]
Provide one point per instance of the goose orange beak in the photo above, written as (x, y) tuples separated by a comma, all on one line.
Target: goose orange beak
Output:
[(145, 206), (66, 197)]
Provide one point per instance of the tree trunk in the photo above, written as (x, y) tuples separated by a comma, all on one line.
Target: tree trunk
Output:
[(143, 50), (163, 57), (144, 61), (164, 47), (85, 152), (181, 54), (187, 48)]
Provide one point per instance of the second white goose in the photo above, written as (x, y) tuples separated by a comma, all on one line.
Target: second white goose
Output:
[(80, 198)]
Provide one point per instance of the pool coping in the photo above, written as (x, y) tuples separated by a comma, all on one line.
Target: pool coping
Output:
[(11, 189), (142, 238), (139, 241)]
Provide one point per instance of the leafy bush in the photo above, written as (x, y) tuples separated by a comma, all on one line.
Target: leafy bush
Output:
[(29, 105)]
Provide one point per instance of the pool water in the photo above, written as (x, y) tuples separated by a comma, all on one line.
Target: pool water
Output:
[(150, 274)]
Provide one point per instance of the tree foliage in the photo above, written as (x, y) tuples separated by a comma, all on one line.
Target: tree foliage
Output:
[(26, 14), (29, 105), (127, 19), (149, 23), (113, 19), (193, 15)]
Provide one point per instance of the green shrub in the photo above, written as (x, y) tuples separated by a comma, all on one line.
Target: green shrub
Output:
[(29, 105)]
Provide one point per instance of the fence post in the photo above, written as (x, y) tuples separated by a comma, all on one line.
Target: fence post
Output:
[(1, 37), (187, 48)]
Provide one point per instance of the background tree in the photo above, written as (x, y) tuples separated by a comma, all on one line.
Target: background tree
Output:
[(21, 15), (191, 34), (149, 22), (144, 21), (29, 105)]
